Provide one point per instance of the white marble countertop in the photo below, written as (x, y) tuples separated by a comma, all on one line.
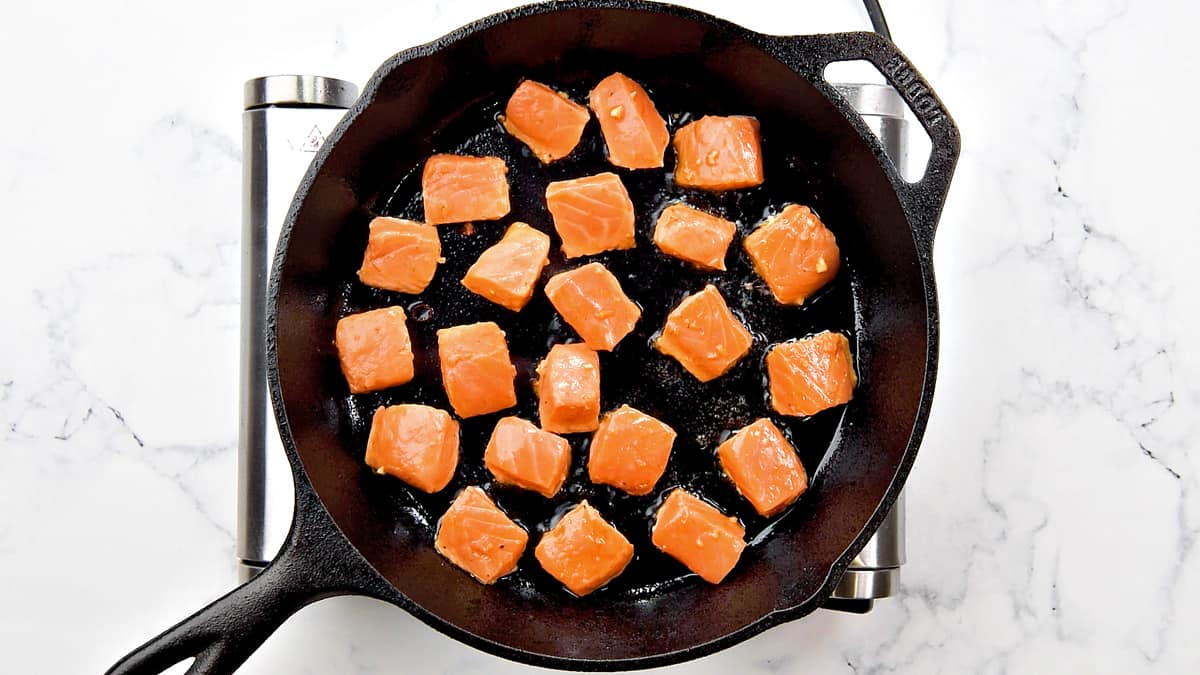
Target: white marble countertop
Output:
[(1054, 512)]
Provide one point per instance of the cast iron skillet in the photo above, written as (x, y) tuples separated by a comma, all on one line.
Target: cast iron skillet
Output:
[(358, 533)]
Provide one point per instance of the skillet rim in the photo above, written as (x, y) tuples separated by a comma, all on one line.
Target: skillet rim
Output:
[(775, 46)]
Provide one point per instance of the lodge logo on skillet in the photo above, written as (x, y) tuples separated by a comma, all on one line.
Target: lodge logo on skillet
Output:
[(905, 79)]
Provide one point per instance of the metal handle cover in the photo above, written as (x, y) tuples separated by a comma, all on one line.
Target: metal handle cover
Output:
[(922, 200), (316, 562), (285, 123)]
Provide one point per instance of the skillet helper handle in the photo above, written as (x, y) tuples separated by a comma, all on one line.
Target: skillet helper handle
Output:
[(315, 562), (922, 200)]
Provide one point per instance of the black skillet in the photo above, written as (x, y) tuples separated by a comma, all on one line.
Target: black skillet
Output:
[(357, 533)]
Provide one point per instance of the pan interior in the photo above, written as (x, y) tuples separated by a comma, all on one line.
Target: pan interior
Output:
[(634, 373), (447, 101)]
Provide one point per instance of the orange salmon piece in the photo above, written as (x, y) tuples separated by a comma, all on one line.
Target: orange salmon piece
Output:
[(545, 120), (459, 189), (569, 389), (704, 336), (478, 537), (719, 153), (636, 135), (476, 370), (374, 349), (415, 443), (810, 375), (507, 272), (591, 301), (592, 214), (630, 451), (401, 255), (695, 236), (698, 535), (763, 466), (583, 551), (794, 253), (520, 454)]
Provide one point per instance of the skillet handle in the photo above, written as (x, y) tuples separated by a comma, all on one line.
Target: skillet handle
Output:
[(315, 562), (922, 200)]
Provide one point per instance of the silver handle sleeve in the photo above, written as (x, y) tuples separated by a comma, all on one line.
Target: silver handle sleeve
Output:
[(284, 123), (875, 571)]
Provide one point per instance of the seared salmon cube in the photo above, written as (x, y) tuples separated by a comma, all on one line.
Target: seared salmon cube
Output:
[(794, 253), (583, 551), (401, 255), (592, 214), (763, 466), (810, 375), (636, 135), (374, 349), (591, 301), (478, 537), (630, 451), (507, 272), (704, 336), (415, 443), (719, 153), (460, 189), (698, 535), (476, 370), (545, 120), (695, 236), (569, 389), (520, 454)]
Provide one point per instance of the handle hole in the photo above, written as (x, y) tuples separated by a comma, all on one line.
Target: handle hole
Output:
[(180, 668), (865, 89)]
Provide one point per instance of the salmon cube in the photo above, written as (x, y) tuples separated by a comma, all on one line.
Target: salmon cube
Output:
[(704, 336), (520, 454), (636, 135), (545, 120), (401, 255), (415, 443), (476, 370), (569, 389), (763, 466), (583, 551), (794, 253), (459, 189), (478, 537), (507, 272), (698, 535), (810, 375), (630, 451), (718, 153), (693, 235), (374, 350), (592, 214), (591, 301)]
